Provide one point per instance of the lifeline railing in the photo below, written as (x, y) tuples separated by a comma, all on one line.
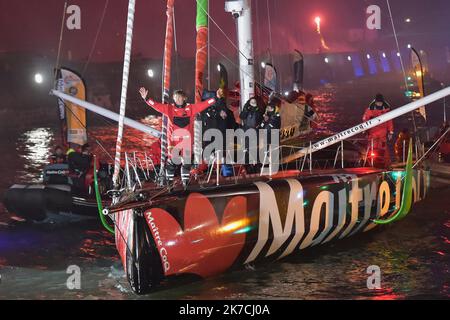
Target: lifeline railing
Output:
[(308, 151), (139, 167), (344, 135)]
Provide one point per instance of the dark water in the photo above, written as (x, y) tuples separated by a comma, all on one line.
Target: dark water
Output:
[(413, 254)]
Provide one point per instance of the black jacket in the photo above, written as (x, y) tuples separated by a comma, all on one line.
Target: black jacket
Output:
[(229, 122), (251, 116), (274, 122), (78, 162)]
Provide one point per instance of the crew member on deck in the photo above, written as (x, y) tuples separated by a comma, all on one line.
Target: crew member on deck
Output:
[(251, 114), (271, 121), (381, 133), (225, 121), (402, 145), (181, 115), (79, 166)]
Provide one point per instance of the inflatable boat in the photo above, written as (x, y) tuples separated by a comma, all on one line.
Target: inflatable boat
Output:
[(55, 195)]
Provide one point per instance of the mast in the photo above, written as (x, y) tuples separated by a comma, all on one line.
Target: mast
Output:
[(168, 45), (202, 47), (123, 96), (241, 11)]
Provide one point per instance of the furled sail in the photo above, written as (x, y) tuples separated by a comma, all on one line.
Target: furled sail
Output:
[(201, 56), (168, 46)]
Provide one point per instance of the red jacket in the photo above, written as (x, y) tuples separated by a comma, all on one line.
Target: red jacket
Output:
[(382, 130), (180, 118)]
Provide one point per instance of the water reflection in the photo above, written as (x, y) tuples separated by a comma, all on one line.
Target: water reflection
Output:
[(34, 147)]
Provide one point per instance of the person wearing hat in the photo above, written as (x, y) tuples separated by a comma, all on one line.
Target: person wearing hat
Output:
[(181, 115), (381, 133)]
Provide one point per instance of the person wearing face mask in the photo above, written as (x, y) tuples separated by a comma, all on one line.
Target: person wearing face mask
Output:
[(181, 115), (271, 121), (225, 121), (251, 114)]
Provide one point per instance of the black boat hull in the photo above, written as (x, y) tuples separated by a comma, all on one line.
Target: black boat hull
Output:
[(37, 201)]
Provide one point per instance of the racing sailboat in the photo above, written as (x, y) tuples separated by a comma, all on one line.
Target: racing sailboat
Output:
[(224, 223), (217, 223)]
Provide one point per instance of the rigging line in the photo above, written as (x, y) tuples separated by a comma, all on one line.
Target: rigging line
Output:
[(397, 43), (239, 68), (81, 123), (280, 73), (270, 31), (100, 24), (401, 59), (60, 37), (89, 131), (209, 52), (261, 84), (111, 124), (123, 238), (223, 32), (432, 148), (176, 48), (258, 38)]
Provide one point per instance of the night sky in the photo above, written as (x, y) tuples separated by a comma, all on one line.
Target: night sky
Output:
[(32, 26)]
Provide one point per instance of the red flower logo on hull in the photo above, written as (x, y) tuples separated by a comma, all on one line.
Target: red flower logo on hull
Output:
[(205, 247)]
